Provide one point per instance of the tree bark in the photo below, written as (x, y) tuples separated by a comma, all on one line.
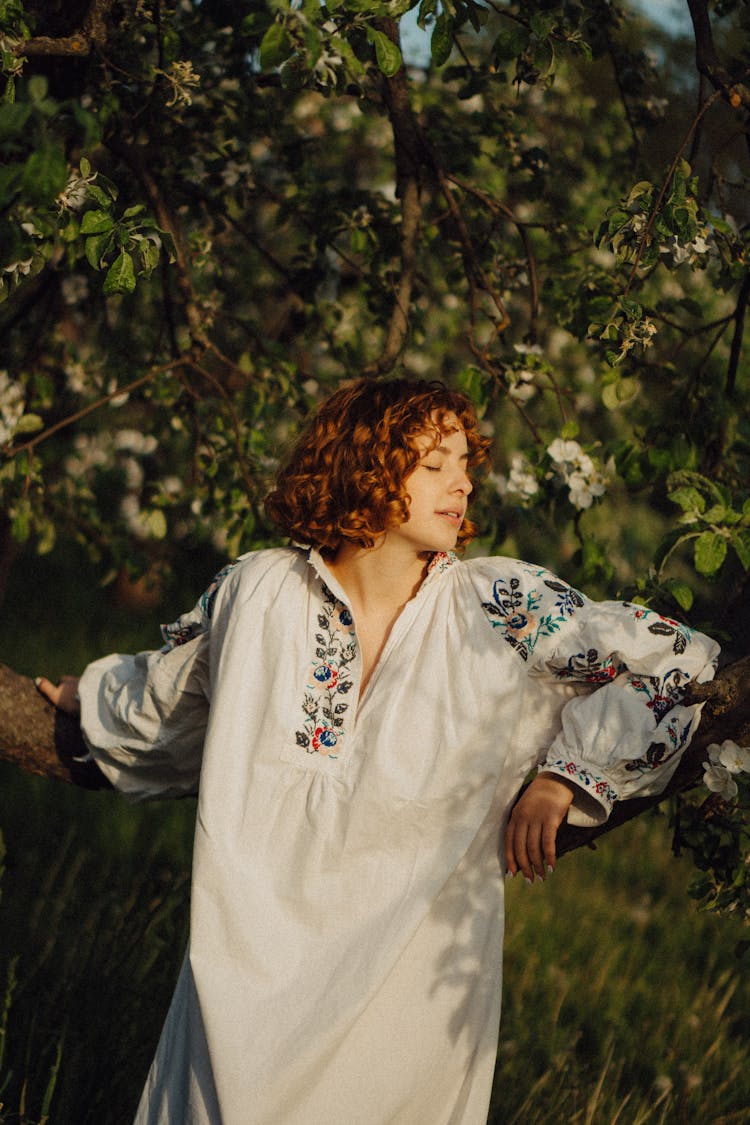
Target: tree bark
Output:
[(43, 741), (40, 739)]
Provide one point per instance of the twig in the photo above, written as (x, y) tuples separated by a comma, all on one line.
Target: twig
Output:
[(76, 417), (236, 425), (663, 190), (167, 222), (623, 97), (739, 328), (497, 207), (474, 269)]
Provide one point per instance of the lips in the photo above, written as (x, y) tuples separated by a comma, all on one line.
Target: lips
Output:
[(450, 514)]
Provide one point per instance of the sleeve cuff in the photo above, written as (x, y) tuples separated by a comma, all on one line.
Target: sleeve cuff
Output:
[(594, 796)]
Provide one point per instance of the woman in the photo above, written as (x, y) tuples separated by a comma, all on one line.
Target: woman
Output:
[(362, 711)]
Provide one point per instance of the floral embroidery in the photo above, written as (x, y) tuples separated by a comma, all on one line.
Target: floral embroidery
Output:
[(598, 786), (328, 680), (661, 692), (658, 753), (441, 560), (513, 611), (664, 627), (587, 666), (191, 624)]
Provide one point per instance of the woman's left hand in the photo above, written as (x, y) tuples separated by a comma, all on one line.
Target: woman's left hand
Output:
[(63, 695), (532, 829)]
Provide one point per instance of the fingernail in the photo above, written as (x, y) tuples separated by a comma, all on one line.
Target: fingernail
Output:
[(37, 680), (529, 881), (550, 869), (509, 874)]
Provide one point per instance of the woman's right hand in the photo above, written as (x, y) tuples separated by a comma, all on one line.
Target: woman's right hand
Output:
[(64, 695)]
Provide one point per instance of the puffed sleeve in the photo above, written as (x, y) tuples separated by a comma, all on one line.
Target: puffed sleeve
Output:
[(144, 717), (624, 737)]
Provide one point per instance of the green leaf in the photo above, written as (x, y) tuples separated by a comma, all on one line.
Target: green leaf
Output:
[(387, 53), (427, 8), (511, 43), (28, 424), (21, 524), (13, 118), (45, 174), (681, 593), (741, 544), (542, 25), (131, 212), (120, 275), (275, 47), (98, 195), (689, 499), (710, 552), (149, 252), (37, 88), (95, 249), (441, 43), (96, 222), (156, 522)]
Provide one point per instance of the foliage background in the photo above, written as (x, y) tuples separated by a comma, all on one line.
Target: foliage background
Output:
[(211, 214)]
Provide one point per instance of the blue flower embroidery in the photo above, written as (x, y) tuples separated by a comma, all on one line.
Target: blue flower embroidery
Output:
[(322, 730), (514, 611)]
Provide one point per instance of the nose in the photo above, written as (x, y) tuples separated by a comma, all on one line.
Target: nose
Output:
[(463, 483)]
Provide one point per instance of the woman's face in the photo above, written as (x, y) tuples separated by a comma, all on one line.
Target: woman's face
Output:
[(438, 489)]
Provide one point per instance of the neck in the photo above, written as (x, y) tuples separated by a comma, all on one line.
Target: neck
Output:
[(379, 577)]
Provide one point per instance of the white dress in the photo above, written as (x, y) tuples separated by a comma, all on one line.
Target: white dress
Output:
[(344, 965)]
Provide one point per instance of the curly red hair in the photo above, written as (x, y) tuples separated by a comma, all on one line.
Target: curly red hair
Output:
[(345, 478)]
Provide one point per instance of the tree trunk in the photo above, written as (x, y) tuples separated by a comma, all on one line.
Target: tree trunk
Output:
[(41, 740)]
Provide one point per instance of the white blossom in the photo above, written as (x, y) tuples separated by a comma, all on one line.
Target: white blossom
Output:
[(74, 288), (582, 489), (521, 385), (327, 67), (181, 77), (719, 780), (135, 520), (134, 475), (21, 268), (578, 471), (521, 481), (732, 757), (133, 441), (91, 451), (75, 377), (233, 172), (11, 406)]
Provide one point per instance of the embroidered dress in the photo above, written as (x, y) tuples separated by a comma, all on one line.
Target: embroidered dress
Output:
[(344, 963)]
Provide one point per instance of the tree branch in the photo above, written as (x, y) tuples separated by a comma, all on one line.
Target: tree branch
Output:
[(80, 43), (726, 714), (40, 739), (708, 61), (409, 153)]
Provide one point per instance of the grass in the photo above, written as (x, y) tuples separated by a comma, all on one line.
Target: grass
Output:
[(622, 1003)]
